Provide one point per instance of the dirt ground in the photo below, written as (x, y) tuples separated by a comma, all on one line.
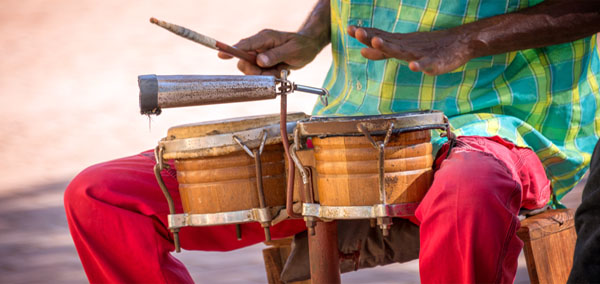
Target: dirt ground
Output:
[(68, 81)]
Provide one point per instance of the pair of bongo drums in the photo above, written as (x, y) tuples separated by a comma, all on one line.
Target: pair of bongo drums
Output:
[(362, 167)]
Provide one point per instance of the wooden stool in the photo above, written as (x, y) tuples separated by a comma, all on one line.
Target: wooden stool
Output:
[(275, 257), (549, 240)]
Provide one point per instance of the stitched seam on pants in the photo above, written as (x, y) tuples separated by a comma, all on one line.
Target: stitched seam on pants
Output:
[(524, 156), (509, 235)]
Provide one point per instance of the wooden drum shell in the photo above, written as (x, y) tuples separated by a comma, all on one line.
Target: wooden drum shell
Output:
[(347, 169), (228, 182)]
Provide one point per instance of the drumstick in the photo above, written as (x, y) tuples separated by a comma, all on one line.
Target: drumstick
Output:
[(204, 40)]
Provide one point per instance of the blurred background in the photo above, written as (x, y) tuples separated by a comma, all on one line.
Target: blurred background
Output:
[(68, 82)]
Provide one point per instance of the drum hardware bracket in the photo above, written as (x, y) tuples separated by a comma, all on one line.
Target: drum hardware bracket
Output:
[(327, 213), (451, 137), (306, 182), (286, 87), (301, 168), (158, 167), (256, 153), (262, 215), (383, 222), (263, 139)]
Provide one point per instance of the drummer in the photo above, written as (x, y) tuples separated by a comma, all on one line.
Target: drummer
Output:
[(519, 81)]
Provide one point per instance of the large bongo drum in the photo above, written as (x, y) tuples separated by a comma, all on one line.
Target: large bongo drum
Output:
[(367, 167), (229, 172)]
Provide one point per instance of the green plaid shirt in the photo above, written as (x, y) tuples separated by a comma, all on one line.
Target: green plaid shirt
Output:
[(545, 98)]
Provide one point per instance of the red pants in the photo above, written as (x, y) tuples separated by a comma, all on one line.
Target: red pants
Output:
[(117, 217)]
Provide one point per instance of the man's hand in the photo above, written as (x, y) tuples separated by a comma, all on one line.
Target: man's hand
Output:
[(433, 53), (548, 23), (275, 51)]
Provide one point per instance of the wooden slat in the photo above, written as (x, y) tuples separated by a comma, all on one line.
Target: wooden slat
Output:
[(549, 245), (275, 258)]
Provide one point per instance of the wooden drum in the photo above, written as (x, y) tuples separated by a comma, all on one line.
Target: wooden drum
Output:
[(347, 169), (370, 166), (218, 163)]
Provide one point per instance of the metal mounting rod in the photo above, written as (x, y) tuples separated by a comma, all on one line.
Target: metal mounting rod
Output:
[(324, 254)]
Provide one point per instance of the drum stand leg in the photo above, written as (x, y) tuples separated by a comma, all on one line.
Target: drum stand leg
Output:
[(324, 254)]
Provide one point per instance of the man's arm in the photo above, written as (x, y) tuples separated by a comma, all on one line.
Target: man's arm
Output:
[(277, 50), (438, 52)]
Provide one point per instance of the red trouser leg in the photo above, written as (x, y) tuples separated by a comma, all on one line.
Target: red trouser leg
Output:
[(117, 217), (469, 215)]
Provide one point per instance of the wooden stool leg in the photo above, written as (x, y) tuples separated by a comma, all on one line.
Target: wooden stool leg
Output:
[(275, 257), (549, 245)]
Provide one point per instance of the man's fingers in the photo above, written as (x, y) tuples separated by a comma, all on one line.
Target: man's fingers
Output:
[(248, 68), (251, 69), (264, 40), (365, 35), (224, 55), (276, 71), (373, 54), (254, 42), (395, 50), (275, 55), (426, 65), (362, 36), (351, 30)]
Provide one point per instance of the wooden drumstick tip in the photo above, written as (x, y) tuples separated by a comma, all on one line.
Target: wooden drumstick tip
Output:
[(154, 20)]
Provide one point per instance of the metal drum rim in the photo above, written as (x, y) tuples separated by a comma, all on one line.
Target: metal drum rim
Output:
[(222, 143), (322, 126)]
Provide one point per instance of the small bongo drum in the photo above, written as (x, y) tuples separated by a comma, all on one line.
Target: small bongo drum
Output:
[(367, 167), (229, 172)]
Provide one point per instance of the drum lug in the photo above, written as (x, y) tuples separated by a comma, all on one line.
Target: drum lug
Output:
[(307, 186), (383, 222), (256, 153), (158, 167)]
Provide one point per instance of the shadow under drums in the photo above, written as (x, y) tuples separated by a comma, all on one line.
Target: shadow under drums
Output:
[(35, 244)]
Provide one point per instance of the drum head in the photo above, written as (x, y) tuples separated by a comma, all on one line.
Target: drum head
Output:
[(214, 138), (375, 124)]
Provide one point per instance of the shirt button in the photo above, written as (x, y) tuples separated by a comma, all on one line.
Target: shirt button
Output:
[(358, 85)]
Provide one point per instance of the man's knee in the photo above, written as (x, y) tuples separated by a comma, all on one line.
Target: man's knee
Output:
[(77, 189), (475, 180), (85, 188)]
